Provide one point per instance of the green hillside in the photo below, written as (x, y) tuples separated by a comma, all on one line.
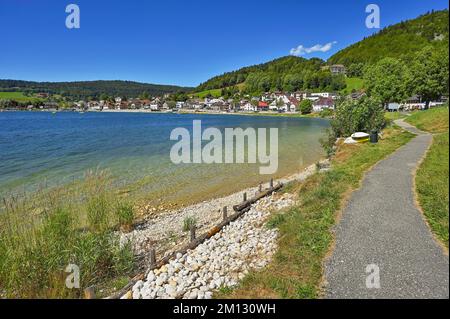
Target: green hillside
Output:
[(401, 40), (288, 73)]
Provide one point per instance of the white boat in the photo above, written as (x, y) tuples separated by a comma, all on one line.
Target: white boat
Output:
[(360, 136)]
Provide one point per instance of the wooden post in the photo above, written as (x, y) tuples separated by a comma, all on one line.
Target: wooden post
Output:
[(245, 197), (152, 257), (89, 293), (271, 183), (192, 233), (260, 187), (225, 213)]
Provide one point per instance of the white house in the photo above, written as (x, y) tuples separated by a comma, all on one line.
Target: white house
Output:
[(249, 107), (323, 104)]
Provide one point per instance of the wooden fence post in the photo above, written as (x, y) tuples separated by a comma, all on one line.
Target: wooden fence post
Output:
[(89, 293), (245, 197), (271, 183), (192, 233), (225, 213), (152, 257), (260, 187)]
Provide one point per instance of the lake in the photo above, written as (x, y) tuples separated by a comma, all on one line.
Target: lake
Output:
[(41, 148)]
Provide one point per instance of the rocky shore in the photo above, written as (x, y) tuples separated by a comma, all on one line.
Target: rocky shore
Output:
[(221, 261)]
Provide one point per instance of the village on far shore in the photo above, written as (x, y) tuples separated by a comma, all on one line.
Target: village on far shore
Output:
[(236, 102), (269, 102)]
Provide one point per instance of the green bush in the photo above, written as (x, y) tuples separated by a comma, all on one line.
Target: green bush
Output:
[(361, 115), (306, 106)]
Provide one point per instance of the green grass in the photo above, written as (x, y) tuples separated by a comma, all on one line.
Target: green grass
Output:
[(353, 84), (432, 179), (306, 229), (214, 92), (391, 116), (432, 186), (434, 120), (17, 96), (42, 233)]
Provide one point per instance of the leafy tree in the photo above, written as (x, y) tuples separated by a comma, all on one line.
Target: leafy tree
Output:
[(104, 97), (306, 106), (355, 70), (171, 104), (429, 74), (144, 96), (361, 115), (386, 80)]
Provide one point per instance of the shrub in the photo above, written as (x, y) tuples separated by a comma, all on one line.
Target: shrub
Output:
[(306, 106), (188, 223), (361, 115)]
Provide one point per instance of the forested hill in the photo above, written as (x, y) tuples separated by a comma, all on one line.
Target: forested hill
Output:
[(286, 73), (85, 89), (402, 40)]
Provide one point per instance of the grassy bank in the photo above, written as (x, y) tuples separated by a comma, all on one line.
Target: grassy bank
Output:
[(305, 229), (433, 120), (41, 234), (432, 179)]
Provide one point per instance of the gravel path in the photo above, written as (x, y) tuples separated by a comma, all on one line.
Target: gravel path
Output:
[(382, 227)]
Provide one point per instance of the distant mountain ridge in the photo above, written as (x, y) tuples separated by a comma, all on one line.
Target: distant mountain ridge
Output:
[(84, 89)]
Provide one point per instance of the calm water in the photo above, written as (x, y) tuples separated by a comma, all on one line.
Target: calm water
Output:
[(39, 148)]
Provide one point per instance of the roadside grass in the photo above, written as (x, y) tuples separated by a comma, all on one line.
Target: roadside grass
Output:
[(434, 120), (432, 185), (41, 234), (432, 179), (306, 229)]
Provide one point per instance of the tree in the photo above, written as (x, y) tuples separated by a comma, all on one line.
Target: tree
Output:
[(429, 74), (103, 97), (386, 80), (306, 106), (144, 96), (355, 70), (361, 115)]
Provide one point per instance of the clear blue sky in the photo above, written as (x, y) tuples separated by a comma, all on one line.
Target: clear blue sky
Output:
[(177, 42)]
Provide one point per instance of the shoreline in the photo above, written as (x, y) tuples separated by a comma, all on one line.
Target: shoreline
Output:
[(183, 112), (162, 231)]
